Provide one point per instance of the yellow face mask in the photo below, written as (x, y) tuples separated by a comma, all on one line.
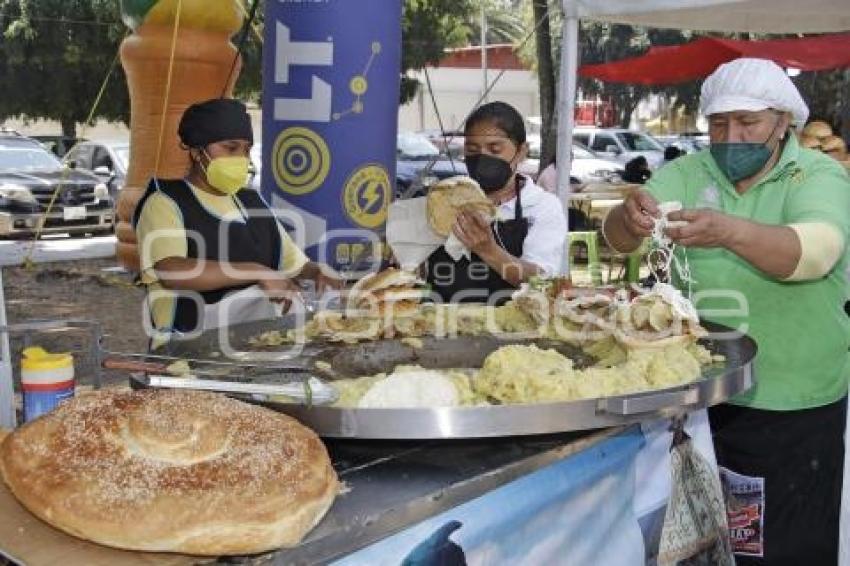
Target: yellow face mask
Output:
[(227, 174)]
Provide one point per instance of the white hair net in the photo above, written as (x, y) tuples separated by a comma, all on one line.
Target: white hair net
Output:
[(752, 84)]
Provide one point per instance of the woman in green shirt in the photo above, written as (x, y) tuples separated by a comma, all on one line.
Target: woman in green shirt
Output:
[(763, 229)]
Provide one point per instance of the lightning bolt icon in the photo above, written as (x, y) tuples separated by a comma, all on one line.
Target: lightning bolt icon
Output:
[(371, 195)]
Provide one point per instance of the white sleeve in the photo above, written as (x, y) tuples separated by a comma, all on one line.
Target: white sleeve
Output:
[(545, 244), (548, 179)]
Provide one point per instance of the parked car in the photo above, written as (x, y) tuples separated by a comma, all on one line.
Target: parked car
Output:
[(621, 145), (687, 144), (58, 145), (449, 143), (107, 160), (586, 165), (419, 164), (29, 176)]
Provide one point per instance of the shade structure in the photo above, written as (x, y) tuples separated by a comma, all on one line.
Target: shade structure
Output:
[(699, 58), (765, 16)]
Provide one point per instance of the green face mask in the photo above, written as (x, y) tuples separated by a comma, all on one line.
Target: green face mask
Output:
[(741, 160), (227, 174)]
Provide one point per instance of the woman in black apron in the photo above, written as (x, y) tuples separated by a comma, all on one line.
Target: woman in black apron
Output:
[(205, 238), (495, 144)]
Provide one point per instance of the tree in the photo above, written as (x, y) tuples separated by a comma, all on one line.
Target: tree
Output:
[(505, 22), (54, 56), (546, 81), (828, 95), (610, 42), (428, 27), (249, 84), (602, 42)]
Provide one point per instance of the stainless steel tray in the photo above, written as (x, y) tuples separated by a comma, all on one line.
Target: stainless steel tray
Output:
[(717, 384)]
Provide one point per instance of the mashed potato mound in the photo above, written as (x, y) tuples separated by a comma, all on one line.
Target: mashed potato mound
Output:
[(525, 374), (411, 389), (529, 374), (408, 387)]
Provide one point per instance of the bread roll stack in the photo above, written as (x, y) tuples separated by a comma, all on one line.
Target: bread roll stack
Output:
[(392, 292), (818, 135)]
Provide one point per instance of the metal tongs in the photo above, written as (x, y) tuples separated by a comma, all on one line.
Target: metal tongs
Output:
[(311, 391), (308, 390)]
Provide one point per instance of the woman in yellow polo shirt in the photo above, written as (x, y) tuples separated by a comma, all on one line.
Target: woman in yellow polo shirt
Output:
[(203, 239)]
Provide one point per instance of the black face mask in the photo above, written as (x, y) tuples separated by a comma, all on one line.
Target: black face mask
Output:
[(490, 172)]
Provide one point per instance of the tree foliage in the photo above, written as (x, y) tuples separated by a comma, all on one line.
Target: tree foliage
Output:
[(505, 21), (54, 56), (600, 43), (428, 27), (828, 95)]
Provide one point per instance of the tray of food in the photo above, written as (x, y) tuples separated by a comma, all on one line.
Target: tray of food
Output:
[(553, 359)]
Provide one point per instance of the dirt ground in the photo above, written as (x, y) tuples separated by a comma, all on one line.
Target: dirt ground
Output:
[(88, 290)]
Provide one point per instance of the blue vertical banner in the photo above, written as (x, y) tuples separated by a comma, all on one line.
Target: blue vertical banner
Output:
[(330, 117)]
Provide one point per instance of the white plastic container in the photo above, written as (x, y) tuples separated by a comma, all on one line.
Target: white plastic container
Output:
[(46, 380)]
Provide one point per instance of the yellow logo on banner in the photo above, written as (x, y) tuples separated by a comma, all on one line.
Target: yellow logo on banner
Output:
[(366, 196), (300, 160)]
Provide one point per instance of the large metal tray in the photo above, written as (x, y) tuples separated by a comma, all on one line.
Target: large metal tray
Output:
[(717, 384)]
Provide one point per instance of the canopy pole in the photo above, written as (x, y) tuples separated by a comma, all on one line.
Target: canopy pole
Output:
[(486, 80), (7, 389), (566, 109)]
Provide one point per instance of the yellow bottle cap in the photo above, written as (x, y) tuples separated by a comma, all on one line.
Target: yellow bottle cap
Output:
[(37, 358)]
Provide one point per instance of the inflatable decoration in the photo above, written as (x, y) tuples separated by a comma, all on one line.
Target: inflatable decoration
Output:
[(203, 58)]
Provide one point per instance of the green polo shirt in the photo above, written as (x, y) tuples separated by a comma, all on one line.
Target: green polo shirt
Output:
[(801, 329)]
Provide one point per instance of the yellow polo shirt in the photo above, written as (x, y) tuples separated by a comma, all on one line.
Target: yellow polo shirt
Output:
[(160, 233)]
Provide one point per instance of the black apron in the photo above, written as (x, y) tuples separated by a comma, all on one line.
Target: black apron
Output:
[(257, 240), (472, 280)]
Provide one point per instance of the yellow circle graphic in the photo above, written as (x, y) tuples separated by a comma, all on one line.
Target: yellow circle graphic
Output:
[(300, 160), (366, 196), (358, 85)]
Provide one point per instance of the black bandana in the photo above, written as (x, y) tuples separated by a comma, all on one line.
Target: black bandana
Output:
[(213, 121)]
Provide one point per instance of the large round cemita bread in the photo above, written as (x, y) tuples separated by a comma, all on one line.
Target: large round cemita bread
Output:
[(171, 471), (448, 197)]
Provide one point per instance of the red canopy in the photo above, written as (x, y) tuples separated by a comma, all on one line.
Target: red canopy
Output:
[(697, 59)]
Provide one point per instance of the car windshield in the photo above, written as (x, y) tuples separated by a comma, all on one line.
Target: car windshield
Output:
[(634, 141), (414, 146), (27, 159), (123, 155)]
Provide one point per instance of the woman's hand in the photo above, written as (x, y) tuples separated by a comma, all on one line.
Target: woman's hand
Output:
[(328, 280), (474, 232), (639, 211), (705, 228), (278, 288)]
